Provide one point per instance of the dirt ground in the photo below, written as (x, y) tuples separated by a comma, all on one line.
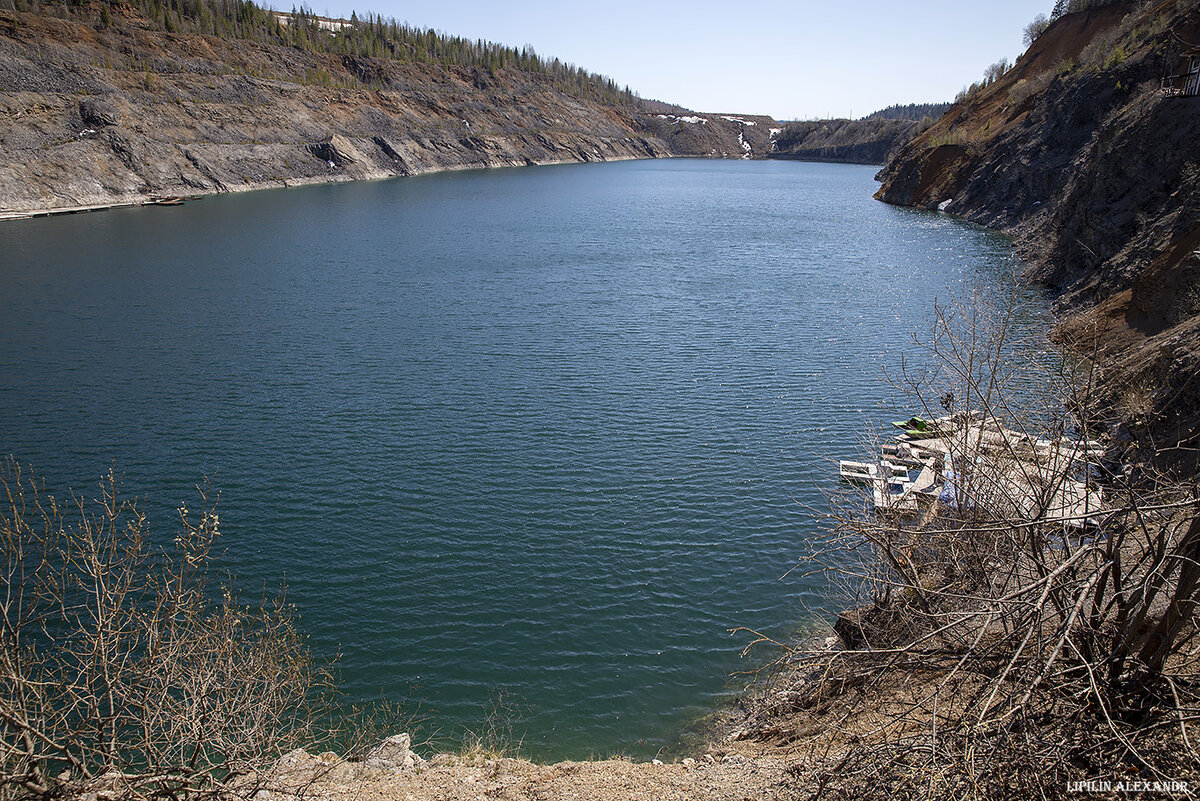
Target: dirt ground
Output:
[(741, 772)]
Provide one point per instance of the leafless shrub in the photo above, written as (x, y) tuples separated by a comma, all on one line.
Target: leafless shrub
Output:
[(997, 644), (126, 670)]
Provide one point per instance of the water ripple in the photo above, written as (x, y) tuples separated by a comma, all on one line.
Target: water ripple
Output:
[(545, 431)]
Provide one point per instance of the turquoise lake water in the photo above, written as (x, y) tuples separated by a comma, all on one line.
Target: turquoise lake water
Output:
[(545, 432)]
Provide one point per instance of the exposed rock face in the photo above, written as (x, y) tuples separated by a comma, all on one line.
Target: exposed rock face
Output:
[(337, 151), (1078, 153), (711, 135), (95, 116), (98, 112), (868, 141)]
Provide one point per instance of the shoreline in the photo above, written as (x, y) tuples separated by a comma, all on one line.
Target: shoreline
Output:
[(161, 199)]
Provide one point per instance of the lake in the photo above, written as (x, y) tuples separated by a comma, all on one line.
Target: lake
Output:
[(546, 434)]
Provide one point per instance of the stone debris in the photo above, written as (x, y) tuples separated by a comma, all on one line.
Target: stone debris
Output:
[(395, 753)]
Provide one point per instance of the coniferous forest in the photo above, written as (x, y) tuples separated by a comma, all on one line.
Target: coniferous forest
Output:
[(371, 36)]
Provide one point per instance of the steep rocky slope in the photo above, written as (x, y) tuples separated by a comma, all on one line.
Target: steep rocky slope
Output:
[(119, 112), (1080, 154), (865, 141), (690, 134)]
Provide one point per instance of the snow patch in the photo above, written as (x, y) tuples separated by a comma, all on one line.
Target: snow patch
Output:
[(775, 132), (689, 120), (738, 119)]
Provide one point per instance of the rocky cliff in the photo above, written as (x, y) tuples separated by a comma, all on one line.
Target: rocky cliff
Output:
[(1079, 153), (687, 133), (865, 141), (94, 114)]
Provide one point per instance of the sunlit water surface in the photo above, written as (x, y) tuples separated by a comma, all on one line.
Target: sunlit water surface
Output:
[(547, 433)]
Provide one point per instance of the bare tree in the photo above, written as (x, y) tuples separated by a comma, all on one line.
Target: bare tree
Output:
[(1009, 636), (1035, 29), (996, 71), (125, 668)]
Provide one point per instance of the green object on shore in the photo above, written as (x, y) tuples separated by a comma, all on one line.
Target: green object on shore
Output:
[(918, 427)]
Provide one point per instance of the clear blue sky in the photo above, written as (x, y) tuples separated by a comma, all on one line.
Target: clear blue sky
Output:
[(792, 60)]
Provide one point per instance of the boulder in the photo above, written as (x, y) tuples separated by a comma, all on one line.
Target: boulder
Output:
[(98, 112), (295, 759), (395, 753)]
